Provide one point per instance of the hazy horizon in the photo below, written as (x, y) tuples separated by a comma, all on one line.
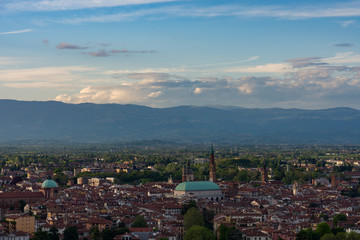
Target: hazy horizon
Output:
[(226, 107)]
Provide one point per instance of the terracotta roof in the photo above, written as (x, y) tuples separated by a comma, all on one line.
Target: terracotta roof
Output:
[(21, 194)]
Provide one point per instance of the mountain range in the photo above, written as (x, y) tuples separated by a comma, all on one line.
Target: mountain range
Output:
[(101, 123)]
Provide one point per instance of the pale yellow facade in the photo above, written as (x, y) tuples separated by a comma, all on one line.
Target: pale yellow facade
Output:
[(25, 223)]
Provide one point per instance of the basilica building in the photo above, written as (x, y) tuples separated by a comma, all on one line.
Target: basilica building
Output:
[(199, 189)]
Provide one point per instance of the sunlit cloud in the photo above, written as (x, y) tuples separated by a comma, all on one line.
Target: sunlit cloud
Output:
[(312, 78), (267, 68)]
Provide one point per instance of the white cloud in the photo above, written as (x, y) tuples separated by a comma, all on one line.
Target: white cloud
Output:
[(16, 32), (146, 70), (245, 88), (105, 94), (342, 58), (267, 68), (311, 82), (155, 94)]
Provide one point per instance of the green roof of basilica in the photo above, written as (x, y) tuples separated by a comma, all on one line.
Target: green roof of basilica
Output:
[(197, 186), (48, 183)]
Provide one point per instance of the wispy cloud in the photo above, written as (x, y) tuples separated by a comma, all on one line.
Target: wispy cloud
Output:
[(181, 69), (60, 5), (346, 23), (305, 62), (45, 41), (100, 53), (17, 32), (70, 46), (344, 45), (107, 53), (266, 68), (235, 10), (131, 51), (147, 70), (45, 77), (343, 58), (10, 60)]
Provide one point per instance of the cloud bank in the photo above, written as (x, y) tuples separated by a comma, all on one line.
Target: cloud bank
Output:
[(305, 83)]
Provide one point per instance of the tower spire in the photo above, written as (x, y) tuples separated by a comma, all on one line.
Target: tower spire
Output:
[(212, 166)]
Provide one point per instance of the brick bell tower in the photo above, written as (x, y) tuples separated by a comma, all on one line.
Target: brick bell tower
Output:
[(212, 166)]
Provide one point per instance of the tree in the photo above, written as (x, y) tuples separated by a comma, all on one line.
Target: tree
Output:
[(199, 233), (324, 216), (95, 233), (208, 217), (224, 232), (337, 230), (323, 228), (307, 234), (22, 205), (193, 217), (139, 222), (353, 236), (187, 206), (235, 234), (61, 179), (71, 233), (108, 234), (339, 217), (40, 235), (53, 234), (328, 236)]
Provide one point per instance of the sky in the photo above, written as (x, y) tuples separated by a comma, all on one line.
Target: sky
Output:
[(163, 53)]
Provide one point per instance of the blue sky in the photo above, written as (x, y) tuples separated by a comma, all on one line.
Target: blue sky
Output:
[(162, 53)]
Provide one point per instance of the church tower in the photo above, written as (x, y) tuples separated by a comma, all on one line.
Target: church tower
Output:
[(187, 173), (212, 166), (264, 175)]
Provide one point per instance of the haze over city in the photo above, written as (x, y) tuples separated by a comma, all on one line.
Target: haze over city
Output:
[(161, 53)]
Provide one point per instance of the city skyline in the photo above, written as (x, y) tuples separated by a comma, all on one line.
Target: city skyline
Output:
[(164, 53)]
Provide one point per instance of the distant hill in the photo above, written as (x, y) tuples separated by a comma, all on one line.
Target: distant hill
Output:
[(91, 123)]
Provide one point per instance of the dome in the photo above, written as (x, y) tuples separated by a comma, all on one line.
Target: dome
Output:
[(197, 186), (49, 184)]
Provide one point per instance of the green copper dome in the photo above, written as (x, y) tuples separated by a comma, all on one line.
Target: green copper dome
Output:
[(197, 186), (49, 184)]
